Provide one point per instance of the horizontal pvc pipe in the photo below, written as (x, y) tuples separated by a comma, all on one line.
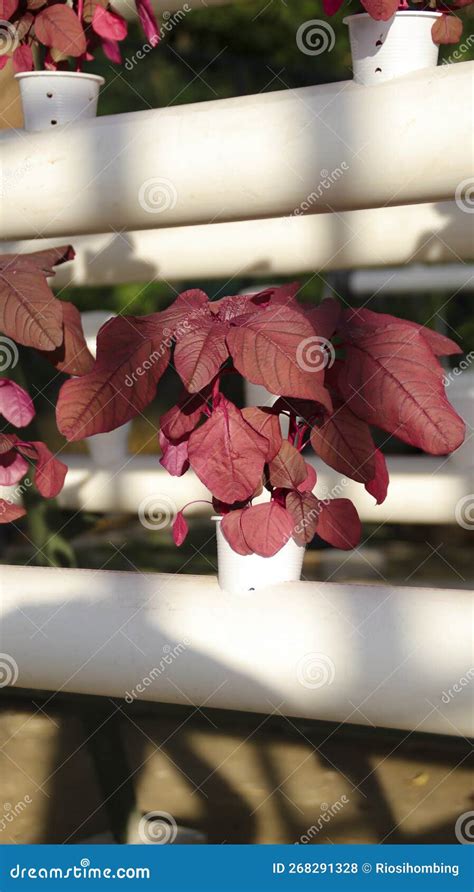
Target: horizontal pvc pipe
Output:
[(313, 149), (128, 10), (343, 653), (428, 233), (140, 480), (454, 277)]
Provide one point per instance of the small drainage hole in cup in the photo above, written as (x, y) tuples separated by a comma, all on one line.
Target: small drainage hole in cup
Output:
[(378, 43), (54, 122), (377, 70), (49, 95)]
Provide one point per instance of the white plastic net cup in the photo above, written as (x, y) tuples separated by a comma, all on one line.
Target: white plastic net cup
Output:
[(52, 99), (240, 574), (384, 50)]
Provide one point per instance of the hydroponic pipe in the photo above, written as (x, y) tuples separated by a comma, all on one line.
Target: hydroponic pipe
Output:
[(454, 277), (315, 149), (428, 233), (163, 8), (139, 481), (374, 655)]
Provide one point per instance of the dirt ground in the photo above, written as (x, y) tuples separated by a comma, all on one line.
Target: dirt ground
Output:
[(78, 766)]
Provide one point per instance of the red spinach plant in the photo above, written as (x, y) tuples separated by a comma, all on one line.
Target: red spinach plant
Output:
[(447, 29), (31, 315), (338, 373), (57, 30)]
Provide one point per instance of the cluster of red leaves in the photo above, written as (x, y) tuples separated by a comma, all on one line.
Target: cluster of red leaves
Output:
[(67, 30), (446, 29), (386, 375), (31, 315)]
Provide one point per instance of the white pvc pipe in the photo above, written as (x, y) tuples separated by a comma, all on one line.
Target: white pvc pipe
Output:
[(428, 233), (343, 653), (128, 10), (314, 149), (458, 277), (439, 485)]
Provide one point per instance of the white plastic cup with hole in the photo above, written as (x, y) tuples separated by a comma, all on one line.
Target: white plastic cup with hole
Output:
[(51, 99), (240, 574), (385, 50), (460, 393)]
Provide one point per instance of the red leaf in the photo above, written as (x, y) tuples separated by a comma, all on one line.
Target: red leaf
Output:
[(108, 24), (325, 317), (23, 58), (266, 528), (10, 512), (12, 467), (131, 358), (304, 509), (345, 443), (180, 529), (58, 26), (50, 472), (4, 60), (288, 468), (267, 424), (73, 356), (232, 530), (112, 51), (227, 454), (309, 482), (391, 379), (266, 350), (29, 311), (182, 418), (148, 21), (174, 456), (377, 487), (358, 322), (381, 9), (15, 403), (185, 313), (199, 355), (7, 8), (339, 523), (332, 6), (447, 29)]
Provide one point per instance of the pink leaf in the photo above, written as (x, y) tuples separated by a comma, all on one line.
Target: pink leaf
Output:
[(58, 27), (268, 349), (174, 456), (131, 358), (199, 355), (185, 313), (50, 471), (332, 6), (447, 29), (180, 529), (112, 50), (356, 323), (309, 482), (288, 468), (304, 509), (182, 418), (339, 523), (345, 443), (29, 312), (4, 60), (391, 379), (266, 528), (232, 530), (148, 21), (108, 24), (12, 467), (325, 317), (73, 356), (23, 58), (15, 403), (227, 454), (7, 8), (377, 487), (381, 9), (267, 424), (10, 512)]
